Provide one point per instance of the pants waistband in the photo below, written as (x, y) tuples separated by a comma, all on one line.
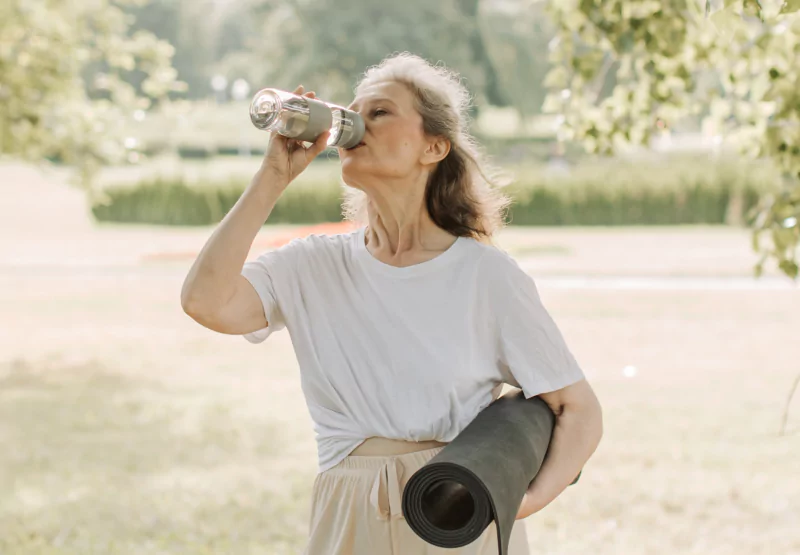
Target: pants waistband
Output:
[(389, 471), (383, 446)]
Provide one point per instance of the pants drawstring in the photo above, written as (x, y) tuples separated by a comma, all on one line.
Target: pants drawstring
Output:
[(385, 494)]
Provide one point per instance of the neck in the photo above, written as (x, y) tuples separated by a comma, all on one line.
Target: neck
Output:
[(399, 223)]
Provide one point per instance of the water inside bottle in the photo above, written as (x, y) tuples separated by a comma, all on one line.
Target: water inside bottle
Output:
[(294, 117)]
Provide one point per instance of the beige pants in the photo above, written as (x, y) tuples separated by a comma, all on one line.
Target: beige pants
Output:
[(356, 506)]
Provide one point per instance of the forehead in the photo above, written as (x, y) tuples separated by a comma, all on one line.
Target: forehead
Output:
[(385, 90)]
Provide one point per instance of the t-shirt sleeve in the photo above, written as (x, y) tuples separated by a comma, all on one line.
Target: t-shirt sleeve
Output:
[(268, 274), (531, 350)]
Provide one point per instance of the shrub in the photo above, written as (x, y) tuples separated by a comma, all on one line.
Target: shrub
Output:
[(668, 191)]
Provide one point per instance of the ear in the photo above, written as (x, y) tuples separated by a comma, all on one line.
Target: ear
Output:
[(437, 150)]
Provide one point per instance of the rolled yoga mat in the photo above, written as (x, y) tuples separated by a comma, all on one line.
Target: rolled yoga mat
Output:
[(482, 475)]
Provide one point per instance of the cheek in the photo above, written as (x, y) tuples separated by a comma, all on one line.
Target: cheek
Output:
[(398, 142)]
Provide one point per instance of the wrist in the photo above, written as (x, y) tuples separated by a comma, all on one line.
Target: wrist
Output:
[(265, 190), (269, 178), (535, 500)]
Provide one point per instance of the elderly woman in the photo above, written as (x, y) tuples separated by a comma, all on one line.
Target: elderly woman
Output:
[(406, 328)]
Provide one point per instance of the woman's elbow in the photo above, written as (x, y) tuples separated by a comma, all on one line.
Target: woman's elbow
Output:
[(597, 419), (591, 416)]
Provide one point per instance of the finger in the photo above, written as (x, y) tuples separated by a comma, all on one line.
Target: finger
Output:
[(320, 144), (274, 136), (311, 94), (299, 89)]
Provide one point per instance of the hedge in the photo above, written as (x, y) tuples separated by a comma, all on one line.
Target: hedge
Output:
[(670, 191)]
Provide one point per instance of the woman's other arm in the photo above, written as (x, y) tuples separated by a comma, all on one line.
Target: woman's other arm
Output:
[(577, 433)]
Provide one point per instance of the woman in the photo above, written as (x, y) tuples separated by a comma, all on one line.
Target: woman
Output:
[(406, 328)]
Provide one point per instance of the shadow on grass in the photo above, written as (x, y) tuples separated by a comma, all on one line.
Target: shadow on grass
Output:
[(96, 462)]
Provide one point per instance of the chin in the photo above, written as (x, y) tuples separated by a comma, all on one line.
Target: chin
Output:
[(351, 175), (358, 169), (348, 164), (354, 167)]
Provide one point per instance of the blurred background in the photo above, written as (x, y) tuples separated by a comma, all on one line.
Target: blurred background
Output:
[(656, 154)]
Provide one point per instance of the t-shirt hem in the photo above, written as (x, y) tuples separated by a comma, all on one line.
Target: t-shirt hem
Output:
[(261, 335), (323, 466), (530, 392)]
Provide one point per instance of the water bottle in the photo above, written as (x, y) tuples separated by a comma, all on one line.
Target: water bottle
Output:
[(305, 119)]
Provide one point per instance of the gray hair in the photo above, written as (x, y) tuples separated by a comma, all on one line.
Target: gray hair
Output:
[(463, 193)]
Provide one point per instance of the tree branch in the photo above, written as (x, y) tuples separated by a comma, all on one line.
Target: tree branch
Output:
[(788, 403)]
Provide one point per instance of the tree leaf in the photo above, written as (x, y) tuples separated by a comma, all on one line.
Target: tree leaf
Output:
[(790, 6), (789, 267)]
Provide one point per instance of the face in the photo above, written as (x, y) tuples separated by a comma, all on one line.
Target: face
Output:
[(394, 144)]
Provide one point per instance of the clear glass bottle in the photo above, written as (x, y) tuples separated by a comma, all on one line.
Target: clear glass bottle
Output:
[(305, 119)]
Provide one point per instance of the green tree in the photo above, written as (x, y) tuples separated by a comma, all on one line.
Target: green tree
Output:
[(516, 36), (665, 53), (65, 69), (203, 32), (476, 38), (327, 46)]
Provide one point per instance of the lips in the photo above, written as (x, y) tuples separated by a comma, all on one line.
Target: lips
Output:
[(352, 148)]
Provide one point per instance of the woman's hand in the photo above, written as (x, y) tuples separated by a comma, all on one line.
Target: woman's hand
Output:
[(286, 158), (528, 506)]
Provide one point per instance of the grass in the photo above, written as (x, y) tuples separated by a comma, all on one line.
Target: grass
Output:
[(106, 463)]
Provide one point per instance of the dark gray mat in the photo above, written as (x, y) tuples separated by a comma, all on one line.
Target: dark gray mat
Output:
[(481, 476)]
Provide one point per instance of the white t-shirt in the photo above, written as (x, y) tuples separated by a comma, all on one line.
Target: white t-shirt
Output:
[(410, 353)]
